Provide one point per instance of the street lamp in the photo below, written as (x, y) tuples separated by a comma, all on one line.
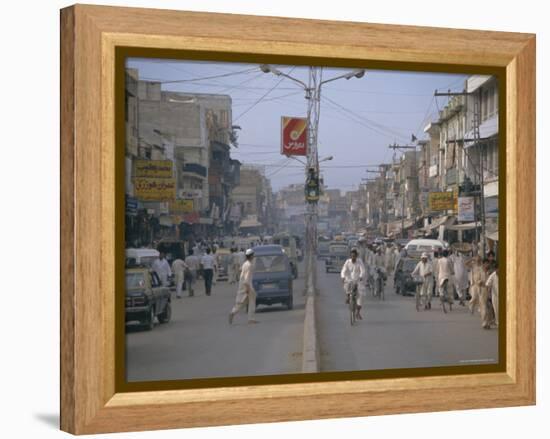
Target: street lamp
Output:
[(313, 95)]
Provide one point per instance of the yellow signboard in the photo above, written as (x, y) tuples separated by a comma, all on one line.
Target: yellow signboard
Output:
[(155, 189), (441, 201), (153, 168), (181, 206)]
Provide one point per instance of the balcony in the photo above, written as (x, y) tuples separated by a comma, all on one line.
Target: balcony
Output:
[(194, 168)]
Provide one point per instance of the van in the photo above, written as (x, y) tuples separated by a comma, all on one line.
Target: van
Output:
[(141, 256)]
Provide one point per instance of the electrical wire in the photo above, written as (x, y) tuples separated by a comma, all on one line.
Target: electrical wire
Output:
[(262, 97), (224, 75)]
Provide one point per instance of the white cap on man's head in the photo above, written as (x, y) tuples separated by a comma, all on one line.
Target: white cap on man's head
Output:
[(424, 255), (249, 252)]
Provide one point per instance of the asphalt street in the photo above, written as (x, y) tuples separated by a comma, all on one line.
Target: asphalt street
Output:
[(394, 335), (199, 342)]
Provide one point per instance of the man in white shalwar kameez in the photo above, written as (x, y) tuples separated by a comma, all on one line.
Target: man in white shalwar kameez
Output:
[(246, 293), (354, 271), (460, 276), (424, 270)]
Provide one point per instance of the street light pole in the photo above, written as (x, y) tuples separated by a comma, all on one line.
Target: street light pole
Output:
[(313, 95)]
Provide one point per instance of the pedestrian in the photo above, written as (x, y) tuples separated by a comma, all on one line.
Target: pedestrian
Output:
[(216, 264), (208, 264), (235, 264), (178, 268), (193, 264), (245, 292), (477, 279), (485, 309), (492, 286), (424, 270), (435, 266), (445, 278), (354, 271), (460, 277), (492, 260), (162, 268)]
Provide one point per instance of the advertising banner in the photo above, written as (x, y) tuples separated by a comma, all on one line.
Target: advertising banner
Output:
[(438, 201), (181, 206), (153, 168), (293, 136), (155, 189), (466, 211)]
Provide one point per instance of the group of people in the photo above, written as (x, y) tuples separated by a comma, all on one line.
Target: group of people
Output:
[(186, 271), (447, 272), (364, 265), (452, 272)]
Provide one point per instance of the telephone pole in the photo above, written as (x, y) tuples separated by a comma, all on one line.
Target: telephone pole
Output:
[(395, 147)]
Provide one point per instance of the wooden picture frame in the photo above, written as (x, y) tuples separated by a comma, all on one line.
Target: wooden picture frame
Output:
[(90, 36)]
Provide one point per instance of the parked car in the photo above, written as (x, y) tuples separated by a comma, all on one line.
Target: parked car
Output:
[(146, 298), (141, 256), (338, 253), (273, 276), (404, 283), (416, 247)]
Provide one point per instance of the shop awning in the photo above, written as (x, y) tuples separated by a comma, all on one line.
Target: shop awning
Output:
[(250, 223), (444, 220), (493, 236), (464, 226)]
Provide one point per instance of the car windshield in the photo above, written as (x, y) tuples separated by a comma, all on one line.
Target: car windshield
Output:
[(148, 260), (135, 280), (270, 264), (409, 265)]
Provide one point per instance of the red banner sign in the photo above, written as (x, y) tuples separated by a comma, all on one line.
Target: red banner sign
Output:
[(293, 136)]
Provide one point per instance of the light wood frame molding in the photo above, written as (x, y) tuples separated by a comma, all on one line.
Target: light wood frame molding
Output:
[(89, 36)]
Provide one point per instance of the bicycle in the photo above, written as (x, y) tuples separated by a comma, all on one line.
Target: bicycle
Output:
[(352, 292)]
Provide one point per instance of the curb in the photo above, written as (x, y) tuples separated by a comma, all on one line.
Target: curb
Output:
[(310, 350)]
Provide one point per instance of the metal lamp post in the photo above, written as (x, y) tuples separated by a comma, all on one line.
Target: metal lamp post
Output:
[(313, 96)]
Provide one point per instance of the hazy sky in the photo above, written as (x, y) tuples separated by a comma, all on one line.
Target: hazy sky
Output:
[(359, 117)]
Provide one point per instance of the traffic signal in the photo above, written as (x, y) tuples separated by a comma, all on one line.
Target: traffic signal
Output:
[(312, 187)]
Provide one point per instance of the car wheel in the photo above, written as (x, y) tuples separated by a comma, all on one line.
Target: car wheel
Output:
[(166, 315), (290, 303), (150, 322)]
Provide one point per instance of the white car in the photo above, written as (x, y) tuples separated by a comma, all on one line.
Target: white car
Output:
[(416, 247)]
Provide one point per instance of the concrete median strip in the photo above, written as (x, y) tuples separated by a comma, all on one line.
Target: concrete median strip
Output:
[(310, 354)]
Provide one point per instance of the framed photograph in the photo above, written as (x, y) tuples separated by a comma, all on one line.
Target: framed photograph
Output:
[(319, 219)]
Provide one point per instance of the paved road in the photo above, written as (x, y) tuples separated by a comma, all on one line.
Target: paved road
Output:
[(199, 343), (394, 335)]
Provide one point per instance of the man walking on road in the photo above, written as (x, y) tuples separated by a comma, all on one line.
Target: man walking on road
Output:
[(354, 271), (178, 268), (492, 287), (425, 270), (162, 268), (461, 276), (208, 264), (445, 278), (246, 293), (193, 265)]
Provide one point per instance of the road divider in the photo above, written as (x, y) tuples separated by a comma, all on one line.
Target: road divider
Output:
[(310, 350)]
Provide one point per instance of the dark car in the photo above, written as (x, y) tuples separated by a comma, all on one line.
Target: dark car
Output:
[(273, 277), (146, 298), (404, 282)]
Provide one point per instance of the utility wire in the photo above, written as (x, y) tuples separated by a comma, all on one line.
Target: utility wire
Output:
[(262, 97), (224, 75)]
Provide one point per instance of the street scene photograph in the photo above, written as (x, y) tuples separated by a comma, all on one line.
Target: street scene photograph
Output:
[(286, 219)]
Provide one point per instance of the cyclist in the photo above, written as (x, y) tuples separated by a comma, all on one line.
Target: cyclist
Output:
[(445, 278), (354, 271)]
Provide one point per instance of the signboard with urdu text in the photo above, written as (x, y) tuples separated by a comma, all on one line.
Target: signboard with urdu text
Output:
[(438, 201), (153, 168), (155, 189), (293, 136)]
